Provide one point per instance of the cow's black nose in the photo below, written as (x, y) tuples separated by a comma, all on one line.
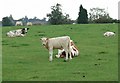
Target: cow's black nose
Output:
[(43, 44)]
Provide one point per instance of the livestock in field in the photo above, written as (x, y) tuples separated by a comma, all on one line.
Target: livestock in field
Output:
[(19, 23), (74, 51), (17, 33), (57, 43), (29, 23), (109, 34)]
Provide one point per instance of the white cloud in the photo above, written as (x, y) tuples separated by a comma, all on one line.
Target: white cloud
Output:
[(39, 8), (119, 10)]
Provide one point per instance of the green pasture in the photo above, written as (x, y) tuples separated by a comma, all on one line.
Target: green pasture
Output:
[(25, 59), (0, 54)]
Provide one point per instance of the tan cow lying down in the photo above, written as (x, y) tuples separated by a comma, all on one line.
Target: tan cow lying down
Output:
[(74, 51), (57, 43)]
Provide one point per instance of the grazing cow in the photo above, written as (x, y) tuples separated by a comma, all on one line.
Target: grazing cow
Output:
[(57, 43), (74, 23), (108, 34), (19, 23), (29, 24), (17, 33), (74, 51)]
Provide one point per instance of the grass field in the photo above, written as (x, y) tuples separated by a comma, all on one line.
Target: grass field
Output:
[(0, 54), (25, 59)]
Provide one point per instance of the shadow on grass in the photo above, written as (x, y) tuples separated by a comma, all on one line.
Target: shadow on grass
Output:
[(102, 52), (20, 45)]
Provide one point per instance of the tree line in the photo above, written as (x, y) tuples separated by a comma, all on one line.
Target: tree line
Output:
[(56, 17), (9, 21), (96, 15)]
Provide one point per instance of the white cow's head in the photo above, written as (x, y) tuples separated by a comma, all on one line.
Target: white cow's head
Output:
[(44, 41)]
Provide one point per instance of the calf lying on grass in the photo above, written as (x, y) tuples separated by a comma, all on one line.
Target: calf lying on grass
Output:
[(57, 43), (17, 33)]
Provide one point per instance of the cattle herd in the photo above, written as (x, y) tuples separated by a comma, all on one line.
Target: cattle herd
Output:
[(65, 45), (20, 23)]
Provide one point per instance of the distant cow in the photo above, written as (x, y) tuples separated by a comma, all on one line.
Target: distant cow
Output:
[(19, 23), (74, 51), (29, 23), (17, 33), (57, 43), (108, 34)]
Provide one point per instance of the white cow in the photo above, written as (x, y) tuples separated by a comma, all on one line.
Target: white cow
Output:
[(17, 33), (57, 43), (74, 51), (29, 23), (108, 34), (19, 23)]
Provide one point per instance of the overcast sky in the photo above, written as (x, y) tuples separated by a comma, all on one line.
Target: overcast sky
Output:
[(39, 8)]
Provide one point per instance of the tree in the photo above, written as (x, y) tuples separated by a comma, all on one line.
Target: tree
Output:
[(99, 15), (25, 20), (12, 20), (6, 21), (82, 16), (56, 16)]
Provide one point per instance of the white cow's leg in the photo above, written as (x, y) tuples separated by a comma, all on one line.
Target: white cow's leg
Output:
[(60, 52), (22, 35), (66, 58), (70, 54), (50, 55)]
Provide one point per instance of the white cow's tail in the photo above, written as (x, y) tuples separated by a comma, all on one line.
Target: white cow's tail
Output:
[(69, 44)]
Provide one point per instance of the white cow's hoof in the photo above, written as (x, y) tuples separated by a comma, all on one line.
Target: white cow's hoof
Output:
[(65, 60), (70, 58), (57, 56), (50, 59)]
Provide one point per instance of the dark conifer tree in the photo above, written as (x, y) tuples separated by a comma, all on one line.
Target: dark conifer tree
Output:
[(82, 16)]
